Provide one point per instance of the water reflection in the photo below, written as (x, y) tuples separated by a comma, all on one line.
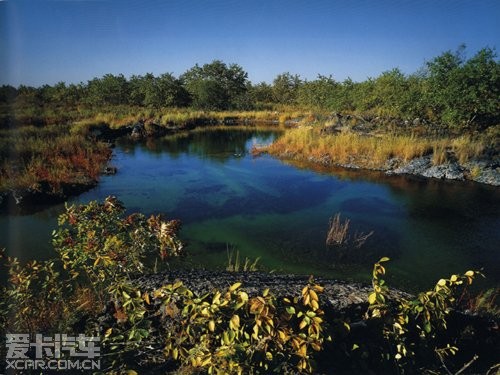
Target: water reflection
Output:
[(280, 211)]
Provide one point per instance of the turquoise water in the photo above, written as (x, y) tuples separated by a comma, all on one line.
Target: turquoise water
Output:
[(280, 212)]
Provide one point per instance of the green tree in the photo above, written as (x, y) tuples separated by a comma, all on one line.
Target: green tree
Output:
[(108, 90), (479, 99), (317, 93), (216, 86), (464, 92), (261, 93), (285, 88), (157, 92), (8, 93)]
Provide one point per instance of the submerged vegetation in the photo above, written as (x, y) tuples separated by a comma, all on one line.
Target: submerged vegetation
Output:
[(101, 251)]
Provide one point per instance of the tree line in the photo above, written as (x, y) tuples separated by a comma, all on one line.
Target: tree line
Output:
[(449, 90)]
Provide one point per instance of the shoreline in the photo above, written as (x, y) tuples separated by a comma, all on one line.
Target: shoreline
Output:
[(419, 167), (18, 200)]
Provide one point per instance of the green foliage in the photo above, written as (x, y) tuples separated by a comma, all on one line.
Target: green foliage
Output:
[(99, 249), (413, 327), (97, 242), (157, 92), (450, 92), (462, 92), (32, 301), (319, 93), (216, 86), (285, 87), (230, 333), (107, 90), (224, 331)]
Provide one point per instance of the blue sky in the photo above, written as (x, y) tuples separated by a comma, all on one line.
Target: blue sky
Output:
[(76, 40)]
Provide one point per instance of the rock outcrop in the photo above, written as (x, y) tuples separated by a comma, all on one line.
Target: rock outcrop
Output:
[(337, 295)]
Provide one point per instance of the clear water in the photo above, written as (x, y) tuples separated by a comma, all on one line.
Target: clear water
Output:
[(280, 212)]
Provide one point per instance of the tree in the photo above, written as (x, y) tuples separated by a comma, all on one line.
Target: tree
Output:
[(462, 92), (317, 93), (215, 86), (285, 88), (162, 91), (8, 93), (261, 93), (108, 90)]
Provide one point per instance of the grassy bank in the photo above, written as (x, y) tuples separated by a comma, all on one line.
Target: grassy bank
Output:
[(56, 148), (51, 154), (370, 151)]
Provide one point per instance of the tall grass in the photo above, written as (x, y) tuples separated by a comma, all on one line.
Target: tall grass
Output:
[(349, 147), (369, 151)]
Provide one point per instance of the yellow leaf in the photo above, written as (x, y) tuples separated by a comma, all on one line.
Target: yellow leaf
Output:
[(302, 350), (243, 296), (211, 326), (304, 291), (302, 324), (145, 297), (234, 286), (314, 305), (372, 298), (469, 273), (108, 332), (313, 295), (97, 261), (384, 259), (216, 299), (316, 346), (318, 288), (442, 282), (235, 320)]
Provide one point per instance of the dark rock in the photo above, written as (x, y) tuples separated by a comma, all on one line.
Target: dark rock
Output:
[(449, 171), (109, 170), (337, 295), (138, 131), (416, 166)]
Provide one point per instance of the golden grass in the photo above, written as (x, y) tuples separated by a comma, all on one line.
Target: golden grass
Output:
[(120, 116), (349, 147), (368, 151), (466, 148)]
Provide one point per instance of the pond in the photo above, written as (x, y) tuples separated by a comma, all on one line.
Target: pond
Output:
[(229, 200)]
